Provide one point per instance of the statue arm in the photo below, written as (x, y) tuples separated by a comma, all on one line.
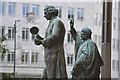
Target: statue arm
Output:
[(73, 33), (72, 29)]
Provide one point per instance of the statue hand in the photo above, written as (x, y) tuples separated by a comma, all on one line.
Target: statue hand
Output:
[(71, 23), (37, 42)]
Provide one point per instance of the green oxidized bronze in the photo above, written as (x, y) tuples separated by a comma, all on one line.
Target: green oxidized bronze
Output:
[(87, 58), (55, 65)]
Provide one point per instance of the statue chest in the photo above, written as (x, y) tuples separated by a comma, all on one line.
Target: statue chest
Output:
[(49, 30)]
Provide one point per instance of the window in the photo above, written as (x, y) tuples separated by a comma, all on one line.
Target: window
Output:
[(98, 19), (2, 30), (118, 25), (70, 59), (34, 57), (114, 23), (69, 38), (113, 44), (70, 13), (35, 9), (11, 8), (80, 13), (24, 57), (117, 45), (10, 32), (10, 57), (113, 64), (119, 5), (25, 9), (117, 65), (25, 33), (2, 8), (59, 11), (115, 4)]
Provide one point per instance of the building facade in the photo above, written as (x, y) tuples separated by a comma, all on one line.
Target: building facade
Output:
[(115, 48), (30, 57)]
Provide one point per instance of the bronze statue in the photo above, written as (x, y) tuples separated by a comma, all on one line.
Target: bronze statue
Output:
[(87, 58), (55, 65)]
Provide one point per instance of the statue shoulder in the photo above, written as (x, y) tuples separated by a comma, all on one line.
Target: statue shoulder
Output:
[(57, 21), (90, 42)]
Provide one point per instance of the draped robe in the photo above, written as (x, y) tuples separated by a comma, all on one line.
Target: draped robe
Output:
[(87, 58)]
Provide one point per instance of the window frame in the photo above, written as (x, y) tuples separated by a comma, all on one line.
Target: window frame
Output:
[(25, 34), (36, 9), (70, 59), (80, 14), (25, 57), (11, 8), (11, 32), (10, 57), (69, 37), (70, 13), (25, 9), (34, 57)]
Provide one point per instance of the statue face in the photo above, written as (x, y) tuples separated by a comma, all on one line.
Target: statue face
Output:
[(47, 14), (84, 36)]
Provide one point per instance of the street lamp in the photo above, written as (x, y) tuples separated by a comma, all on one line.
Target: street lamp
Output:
[(15, 45)]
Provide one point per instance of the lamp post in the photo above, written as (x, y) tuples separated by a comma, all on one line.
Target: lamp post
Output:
[(15, 46)]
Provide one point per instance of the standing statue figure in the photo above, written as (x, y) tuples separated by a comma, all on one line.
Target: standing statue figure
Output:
[(55, 65), (87, 58)]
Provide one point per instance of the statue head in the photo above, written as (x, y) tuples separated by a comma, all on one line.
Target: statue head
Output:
[(50, 11), (86, 33)]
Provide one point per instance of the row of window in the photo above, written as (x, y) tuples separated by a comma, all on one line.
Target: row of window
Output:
[(12, 8), (25, 37), (26, 34), (115, 65), (10, 33), (36, 10), (24, 57), (34, 58)]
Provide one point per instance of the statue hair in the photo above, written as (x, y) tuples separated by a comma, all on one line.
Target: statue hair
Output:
[(52, 9)]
